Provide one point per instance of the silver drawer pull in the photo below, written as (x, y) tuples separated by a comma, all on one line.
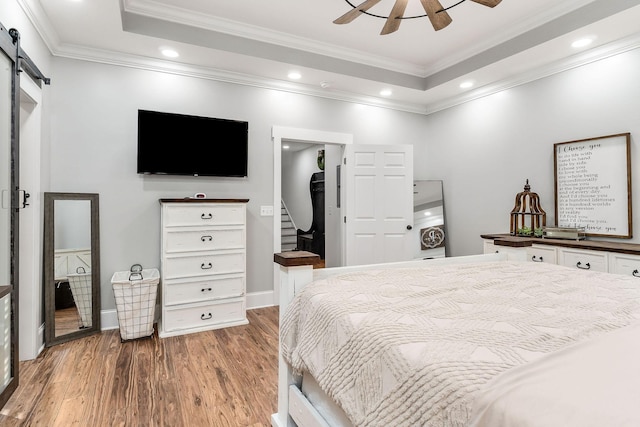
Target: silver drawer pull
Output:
[(206, 266), (635, 273), (206, 238), (206, 317), (536, 259), (206, 289), (206, 216), (579, 265)]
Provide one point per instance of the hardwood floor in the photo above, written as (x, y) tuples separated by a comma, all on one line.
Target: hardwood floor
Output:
[(226, 377)]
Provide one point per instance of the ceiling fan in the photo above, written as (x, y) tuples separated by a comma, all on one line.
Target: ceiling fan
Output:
[(437, 14)]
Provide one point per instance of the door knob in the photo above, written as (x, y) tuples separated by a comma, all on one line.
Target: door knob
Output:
[(409, 227)]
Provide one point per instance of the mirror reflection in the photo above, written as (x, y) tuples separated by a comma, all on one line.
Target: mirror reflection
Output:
[(428, 219), (72, 271), (72, 265)]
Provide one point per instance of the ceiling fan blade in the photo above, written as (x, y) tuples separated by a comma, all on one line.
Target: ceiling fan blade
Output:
[(393, 21), (490, 3), (356, 11), (438, 20)]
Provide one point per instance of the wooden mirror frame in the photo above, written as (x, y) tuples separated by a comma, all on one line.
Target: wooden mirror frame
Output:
[(49, 275)]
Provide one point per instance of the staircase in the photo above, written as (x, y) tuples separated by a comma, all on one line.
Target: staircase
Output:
[(288, 230)]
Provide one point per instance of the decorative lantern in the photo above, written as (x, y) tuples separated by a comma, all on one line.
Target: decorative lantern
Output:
[(527, 217)]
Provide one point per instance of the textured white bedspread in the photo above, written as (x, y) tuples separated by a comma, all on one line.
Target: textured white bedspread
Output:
[(591, 384), (415, 347)]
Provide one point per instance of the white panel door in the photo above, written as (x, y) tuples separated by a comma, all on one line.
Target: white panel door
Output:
[(378, 203)]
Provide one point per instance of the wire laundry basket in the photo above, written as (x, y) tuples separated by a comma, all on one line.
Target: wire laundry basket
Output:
[(80, 284), (135, 292)]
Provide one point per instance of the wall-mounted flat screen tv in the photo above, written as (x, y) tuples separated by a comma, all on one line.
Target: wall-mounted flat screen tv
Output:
[(179, 144)]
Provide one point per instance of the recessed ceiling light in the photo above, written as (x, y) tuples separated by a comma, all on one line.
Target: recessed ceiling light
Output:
[(169, 53), (466, 85), (385, 92), (427, 214), (294, 75), (285, 147), (582, 42)]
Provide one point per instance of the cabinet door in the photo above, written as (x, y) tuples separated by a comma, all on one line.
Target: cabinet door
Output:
[(583, 260), (629, 265), (538, 253)]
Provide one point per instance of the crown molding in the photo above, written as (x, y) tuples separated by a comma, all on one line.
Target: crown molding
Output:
[(504, 35), (156, 10), (149, 64), (38, 18), (593, 55), (163, 12)]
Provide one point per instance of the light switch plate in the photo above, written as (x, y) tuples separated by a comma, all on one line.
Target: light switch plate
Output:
[(266, 210)]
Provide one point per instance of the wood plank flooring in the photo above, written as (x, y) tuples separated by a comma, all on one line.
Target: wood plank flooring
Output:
[(226, 377)]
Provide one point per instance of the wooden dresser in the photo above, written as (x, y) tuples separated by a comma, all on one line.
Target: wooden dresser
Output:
[(203, 265), (612, 257)]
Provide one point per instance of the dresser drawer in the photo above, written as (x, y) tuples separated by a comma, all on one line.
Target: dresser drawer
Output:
[(542, 254), (203, 265), (629, 265), (203, 239), (584, 260), (186, 292), (203, 214), (202, 315)]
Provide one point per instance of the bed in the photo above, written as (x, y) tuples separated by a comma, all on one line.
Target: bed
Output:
[(478, 341)]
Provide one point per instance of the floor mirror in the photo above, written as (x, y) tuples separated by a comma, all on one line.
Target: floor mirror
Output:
[(71, 266), (428, 219)]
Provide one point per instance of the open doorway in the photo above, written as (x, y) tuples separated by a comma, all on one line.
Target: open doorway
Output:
[(285, 135), (310, 205)]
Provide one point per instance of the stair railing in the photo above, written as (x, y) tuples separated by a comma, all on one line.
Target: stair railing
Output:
[(284, 205)]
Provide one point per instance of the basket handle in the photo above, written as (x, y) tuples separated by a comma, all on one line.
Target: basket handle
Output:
[(136, 271), (80, 270)]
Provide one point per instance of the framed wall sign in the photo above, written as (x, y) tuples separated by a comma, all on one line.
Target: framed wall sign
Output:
[(593, 185)]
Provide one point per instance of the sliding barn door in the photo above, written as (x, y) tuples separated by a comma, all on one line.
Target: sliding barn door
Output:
[(379, 203), (8, 218)]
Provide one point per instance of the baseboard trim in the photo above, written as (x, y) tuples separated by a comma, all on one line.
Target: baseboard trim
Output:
[(259, 300), (109, 318)]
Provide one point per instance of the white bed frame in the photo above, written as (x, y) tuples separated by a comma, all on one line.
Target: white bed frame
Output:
[(296, 271)]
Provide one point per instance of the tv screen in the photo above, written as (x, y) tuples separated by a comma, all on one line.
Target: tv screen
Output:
[(179, 144)]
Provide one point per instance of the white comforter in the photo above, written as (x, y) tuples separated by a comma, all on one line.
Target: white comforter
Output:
[(591, 384), (416, 347)]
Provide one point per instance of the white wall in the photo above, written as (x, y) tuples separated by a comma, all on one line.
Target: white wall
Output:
[(93, 149), (485, 150), (297, 168), (72, 224)]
